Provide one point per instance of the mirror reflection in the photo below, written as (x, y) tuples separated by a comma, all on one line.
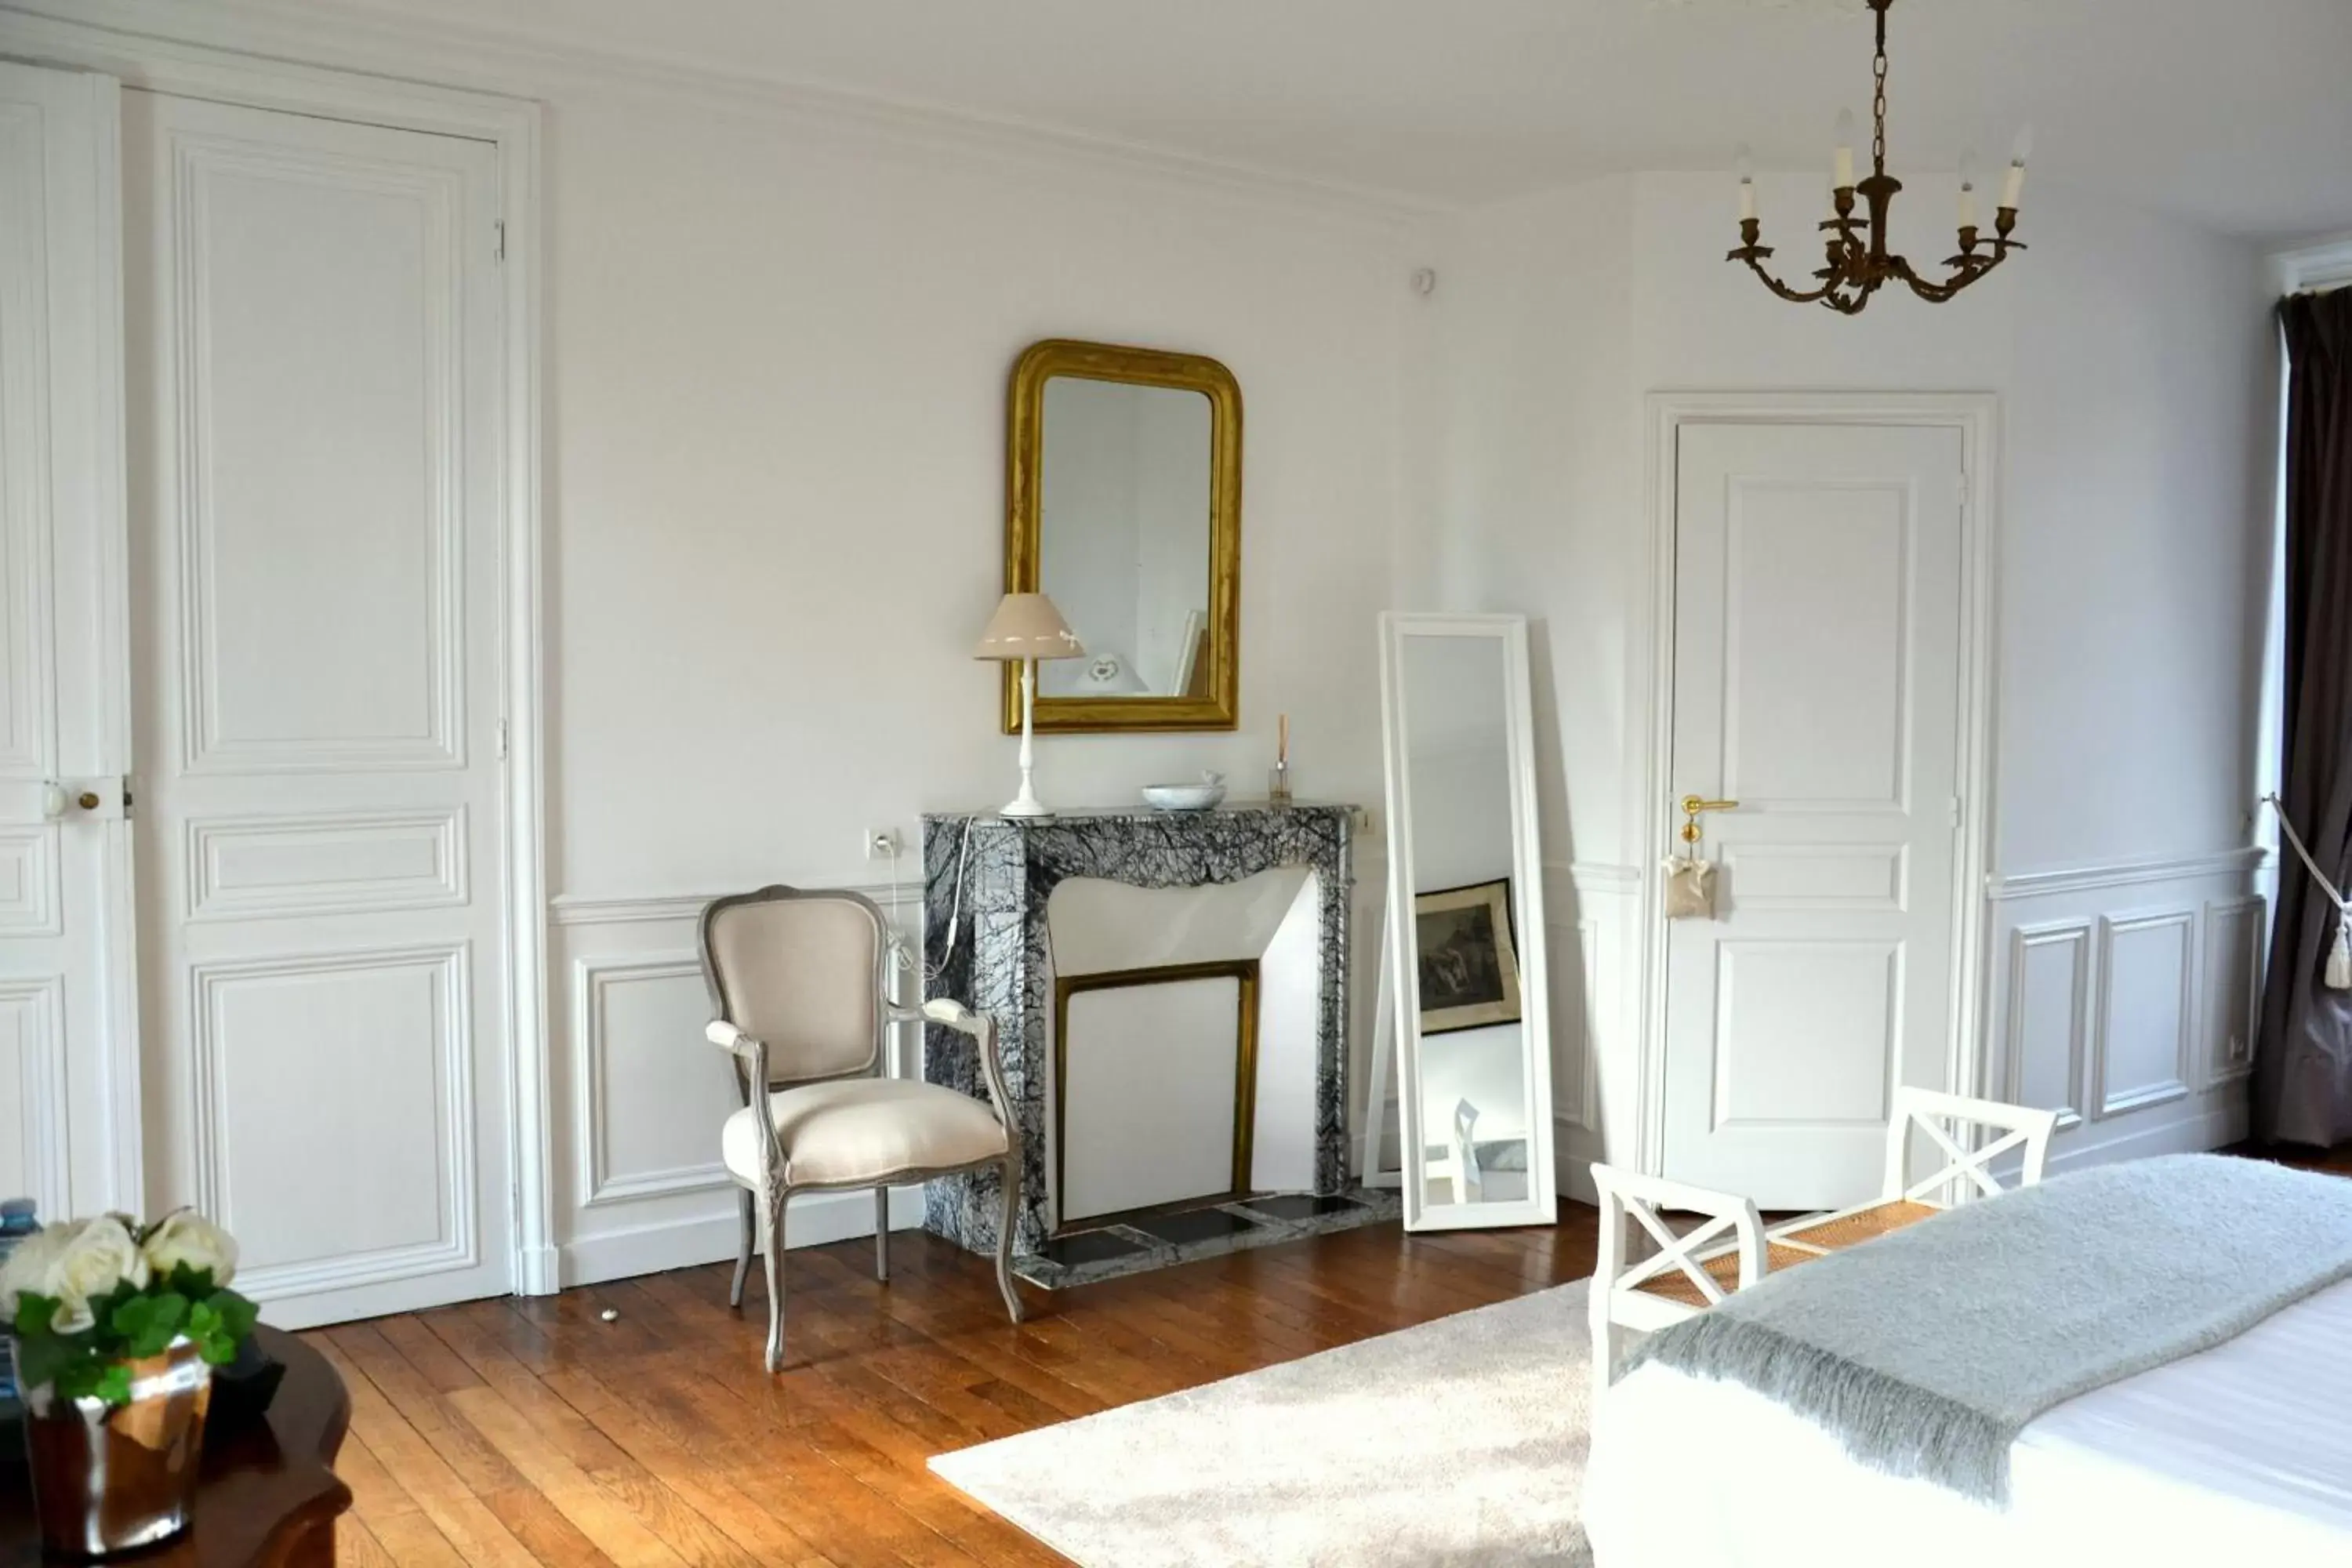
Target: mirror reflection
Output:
[(1124, 526), (1474, 1059)]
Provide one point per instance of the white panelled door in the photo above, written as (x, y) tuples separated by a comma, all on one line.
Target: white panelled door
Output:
[(69, 1067), (313, 327), (1817, 629)]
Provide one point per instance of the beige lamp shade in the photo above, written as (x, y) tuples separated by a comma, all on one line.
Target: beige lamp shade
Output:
[(1027, 625)]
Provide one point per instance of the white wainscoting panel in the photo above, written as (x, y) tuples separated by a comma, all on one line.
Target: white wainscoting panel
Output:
[(1575, 985), (325, 863), (653, 1105), (2123, 996), (2235, 931), (2050, 1016), (312, 1167), (32, 1092), (2147, 1009), (1595, 954)]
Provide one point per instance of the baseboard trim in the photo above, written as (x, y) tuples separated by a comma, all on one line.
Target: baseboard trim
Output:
[(2127, 873), (1572, 1178), (816, 1220), (539, 1270), (2214, 1129)]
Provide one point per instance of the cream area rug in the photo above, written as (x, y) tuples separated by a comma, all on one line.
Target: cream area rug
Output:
[(1455, 1442)]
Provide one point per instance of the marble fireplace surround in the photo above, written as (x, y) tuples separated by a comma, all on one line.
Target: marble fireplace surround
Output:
[(998, 963)]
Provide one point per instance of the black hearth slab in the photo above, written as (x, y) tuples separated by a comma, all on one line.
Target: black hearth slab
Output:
[(1090, 1246), (1298, 1205), (1193, 1225)]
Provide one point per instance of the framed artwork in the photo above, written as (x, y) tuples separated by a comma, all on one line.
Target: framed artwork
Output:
[(1469, 966)]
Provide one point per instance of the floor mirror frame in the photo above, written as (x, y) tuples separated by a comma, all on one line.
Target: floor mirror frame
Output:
[(1540, 1206)]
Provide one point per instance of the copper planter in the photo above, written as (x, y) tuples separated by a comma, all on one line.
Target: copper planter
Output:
[(117, 1480)]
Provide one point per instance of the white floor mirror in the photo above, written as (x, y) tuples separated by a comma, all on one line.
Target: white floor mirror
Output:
[(1466, 922)]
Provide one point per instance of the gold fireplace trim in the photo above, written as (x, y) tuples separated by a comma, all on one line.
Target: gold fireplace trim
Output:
[(1245, 971)]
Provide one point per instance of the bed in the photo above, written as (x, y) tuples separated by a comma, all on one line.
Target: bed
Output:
[(2241, 1452)]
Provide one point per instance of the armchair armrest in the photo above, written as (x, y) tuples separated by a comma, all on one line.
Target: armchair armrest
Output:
[(950, 1013), (751, 1054), (954, 1014)]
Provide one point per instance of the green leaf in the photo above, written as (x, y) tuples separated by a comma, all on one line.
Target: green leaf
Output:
[(114, 1384), (49, 1358), (34, 1312), (238, 1315), (194, 1283), (85, 1377), (148, 1324)]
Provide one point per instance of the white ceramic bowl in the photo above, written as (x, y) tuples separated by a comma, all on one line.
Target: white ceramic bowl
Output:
[(1182, 796)]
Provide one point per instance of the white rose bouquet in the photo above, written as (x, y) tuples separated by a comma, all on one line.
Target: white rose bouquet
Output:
[(83, 1300)]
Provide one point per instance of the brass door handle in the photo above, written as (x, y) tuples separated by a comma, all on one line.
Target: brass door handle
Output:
[(87, 800), (1692, 805)]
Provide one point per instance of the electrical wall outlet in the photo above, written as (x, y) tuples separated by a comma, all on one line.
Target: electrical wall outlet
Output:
[(881, 844)]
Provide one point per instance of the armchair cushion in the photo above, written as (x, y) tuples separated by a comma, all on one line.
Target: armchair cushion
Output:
[(860, 1130)]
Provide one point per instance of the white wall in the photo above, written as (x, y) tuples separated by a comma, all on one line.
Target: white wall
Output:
[(778, 360), (2133, 358)]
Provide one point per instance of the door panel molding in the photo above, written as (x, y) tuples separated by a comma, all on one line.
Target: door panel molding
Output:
[(458, 1246), (325, 863), (36, 1004), (200, 164), (1976, 416), (31, 897)]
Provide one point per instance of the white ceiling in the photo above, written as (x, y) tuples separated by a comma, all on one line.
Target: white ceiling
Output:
[(2235, 112)]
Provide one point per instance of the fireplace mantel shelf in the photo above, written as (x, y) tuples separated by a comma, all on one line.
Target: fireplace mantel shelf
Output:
[(1001, 872)]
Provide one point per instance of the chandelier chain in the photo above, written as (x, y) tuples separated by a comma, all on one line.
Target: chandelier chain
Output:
[(1878, 99)]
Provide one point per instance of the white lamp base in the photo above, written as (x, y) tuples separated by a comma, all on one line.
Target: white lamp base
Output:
[(1026, 805)]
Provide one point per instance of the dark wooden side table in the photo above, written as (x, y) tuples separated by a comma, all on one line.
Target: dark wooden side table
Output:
[(269, 1496)]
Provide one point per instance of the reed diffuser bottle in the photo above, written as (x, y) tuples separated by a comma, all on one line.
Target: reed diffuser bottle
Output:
[(1278, 781)]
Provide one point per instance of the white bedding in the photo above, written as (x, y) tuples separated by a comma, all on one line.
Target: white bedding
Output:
[(2241, 1454)]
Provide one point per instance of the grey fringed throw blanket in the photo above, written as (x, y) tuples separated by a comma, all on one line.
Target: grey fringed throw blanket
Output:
[(1925, 1351)]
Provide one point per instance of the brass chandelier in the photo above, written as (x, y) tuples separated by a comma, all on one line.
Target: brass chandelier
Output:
[(1858, 262)]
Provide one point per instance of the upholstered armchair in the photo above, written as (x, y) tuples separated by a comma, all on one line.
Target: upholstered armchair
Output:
[(799, 982)]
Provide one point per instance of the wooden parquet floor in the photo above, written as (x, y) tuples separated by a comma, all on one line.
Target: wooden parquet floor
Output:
[(511, 1433)]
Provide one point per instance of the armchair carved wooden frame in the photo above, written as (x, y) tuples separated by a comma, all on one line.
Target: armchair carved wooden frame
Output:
[(820, 1069)]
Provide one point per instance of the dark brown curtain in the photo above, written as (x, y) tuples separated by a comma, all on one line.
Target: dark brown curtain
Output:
[(2303, 1056)]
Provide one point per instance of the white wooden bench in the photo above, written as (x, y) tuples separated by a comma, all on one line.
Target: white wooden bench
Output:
[(1730, 1248)]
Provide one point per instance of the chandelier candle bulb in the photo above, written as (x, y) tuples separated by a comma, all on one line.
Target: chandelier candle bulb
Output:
[(1843, 179), (1747, 166)]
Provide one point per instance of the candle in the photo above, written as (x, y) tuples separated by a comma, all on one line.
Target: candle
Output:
[(2017, 157), (1844, 176), (1746, 186), (1282, 742)]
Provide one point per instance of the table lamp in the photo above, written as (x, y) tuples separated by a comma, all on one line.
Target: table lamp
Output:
[(1026, 627)]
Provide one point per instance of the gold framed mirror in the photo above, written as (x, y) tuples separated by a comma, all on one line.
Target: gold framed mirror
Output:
[(1123, 506)]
